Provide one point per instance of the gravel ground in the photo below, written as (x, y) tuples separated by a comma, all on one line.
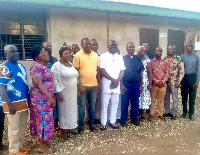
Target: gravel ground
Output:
[(180, 136)]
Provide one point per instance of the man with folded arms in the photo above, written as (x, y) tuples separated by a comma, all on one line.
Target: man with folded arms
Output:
[(112, 70)]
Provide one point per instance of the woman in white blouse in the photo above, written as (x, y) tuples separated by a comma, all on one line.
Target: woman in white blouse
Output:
[(65, 76)]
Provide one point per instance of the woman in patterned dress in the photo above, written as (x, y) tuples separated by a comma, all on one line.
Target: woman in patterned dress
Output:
[(145, 96), (66, 88), (41, 98)]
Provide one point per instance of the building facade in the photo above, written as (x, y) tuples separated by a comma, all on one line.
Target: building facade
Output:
[(28, 23)]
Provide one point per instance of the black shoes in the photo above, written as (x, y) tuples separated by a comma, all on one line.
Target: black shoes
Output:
[(136, 123), (173, 117), (81, 130), (123, 124), (66, 137), (114, 126), (118, 120), (167, 115), (74, 133), (184, 115), (97, 121), (92, 129), (191, 117)]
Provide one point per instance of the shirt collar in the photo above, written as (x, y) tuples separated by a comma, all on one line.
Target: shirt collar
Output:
[(86, 53), (172, 56), (130, 56), (154, 59), (189, 53)]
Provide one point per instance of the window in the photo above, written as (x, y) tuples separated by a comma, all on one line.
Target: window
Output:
[(22, 27)]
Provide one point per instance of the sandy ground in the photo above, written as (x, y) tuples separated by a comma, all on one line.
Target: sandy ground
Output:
[(181, 136)]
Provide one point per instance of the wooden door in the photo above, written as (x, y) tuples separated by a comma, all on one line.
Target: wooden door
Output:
[(176, 37)]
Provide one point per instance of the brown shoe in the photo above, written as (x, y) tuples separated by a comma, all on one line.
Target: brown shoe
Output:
[(17, 153), (162, 118), (149, 118), (24, 149)]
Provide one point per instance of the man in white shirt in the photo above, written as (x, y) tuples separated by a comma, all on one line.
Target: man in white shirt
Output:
[(112, 70)]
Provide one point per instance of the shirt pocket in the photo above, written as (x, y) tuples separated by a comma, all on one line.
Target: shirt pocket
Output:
[(193, 64)]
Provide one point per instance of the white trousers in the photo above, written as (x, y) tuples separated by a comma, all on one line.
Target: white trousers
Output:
[(114, 100), (16, 130)]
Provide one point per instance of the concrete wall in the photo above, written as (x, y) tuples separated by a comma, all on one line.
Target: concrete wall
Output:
[(68, 25), (71, 26)]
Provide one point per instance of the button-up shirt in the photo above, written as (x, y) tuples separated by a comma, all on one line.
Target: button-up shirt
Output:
[(191, 64), (113, 65), (160, 71), (134, 67), (176, 65)]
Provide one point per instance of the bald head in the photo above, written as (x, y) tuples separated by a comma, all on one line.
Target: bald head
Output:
[(48, 46)]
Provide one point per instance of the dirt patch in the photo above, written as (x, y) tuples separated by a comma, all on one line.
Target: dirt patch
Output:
[(180, 136)]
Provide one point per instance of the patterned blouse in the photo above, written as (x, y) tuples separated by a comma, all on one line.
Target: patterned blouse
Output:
[(176, 69), (160, 71)]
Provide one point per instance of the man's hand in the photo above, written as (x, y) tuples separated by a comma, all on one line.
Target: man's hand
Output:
[(98, 88), (115, 83), (12, 109), (123, 88), (195, 86), (160, 84), (177, 85), (82, 90), (149, 87), (141, 88), (60, 96)]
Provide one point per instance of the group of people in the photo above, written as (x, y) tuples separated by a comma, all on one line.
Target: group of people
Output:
[(103, 84)]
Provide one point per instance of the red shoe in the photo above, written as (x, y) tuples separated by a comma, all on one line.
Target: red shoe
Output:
[(162, 118), (149, 118), (24, 149), (17, 153)]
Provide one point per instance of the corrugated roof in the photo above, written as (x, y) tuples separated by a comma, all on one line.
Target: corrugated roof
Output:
[(133, 9), (42, 2), (118, 7)]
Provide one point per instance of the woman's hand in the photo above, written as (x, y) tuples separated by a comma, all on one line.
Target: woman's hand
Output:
[(82, 90), (60, 96), (52, 102)]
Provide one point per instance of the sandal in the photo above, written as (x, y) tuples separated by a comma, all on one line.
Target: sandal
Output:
[(114, 126), (46, 150), (103, 128)]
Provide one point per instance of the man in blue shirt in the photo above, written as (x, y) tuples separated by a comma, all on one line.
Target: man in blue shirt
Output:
[(131, 85), (14, 91)]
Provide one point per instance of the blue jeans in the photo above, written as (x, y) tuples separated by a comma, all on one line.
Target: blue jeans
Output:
[(90, 98), (132, 94)]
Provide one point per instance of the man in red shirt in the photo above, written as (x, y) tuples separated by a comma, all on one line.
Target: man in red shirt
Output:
[(160, 72)]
